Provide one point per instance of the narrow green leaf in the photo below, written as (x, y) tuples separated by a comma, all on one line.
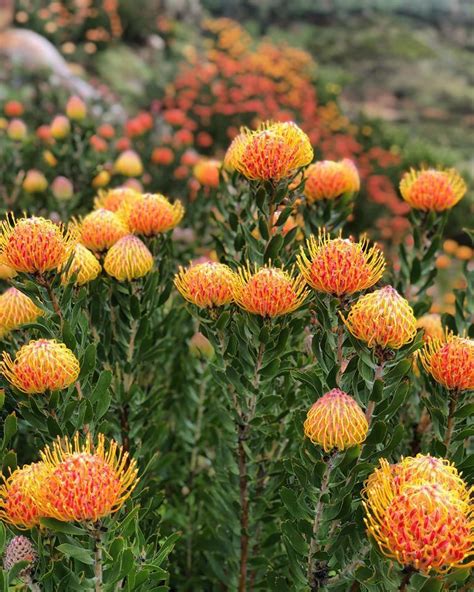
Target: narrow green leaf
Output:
[(76, 552)]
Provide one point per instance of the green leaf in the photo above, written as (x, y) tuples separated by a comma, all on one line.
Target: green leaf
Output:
[(88, 360), (465, 411), (58, 526), (76, 552), (9, 429), (273, 248), (377, 433), (103, 405), (292, 504), (294, 538), (103, 384)]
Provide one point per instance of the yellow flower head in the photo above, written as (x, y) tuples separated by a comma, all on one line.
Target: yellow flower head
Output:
[(424, 526), (114, 199), (431, 325), (84, 264), (269, 291), (450, 361), (129, 164), (128, 259), (206, 171), (382, 318), (272, 152), (152, 214), (39, 366), (432, 190), (35, 245), (327, 179), (17, 506), (16, 309), (340, 266), (336, 421), (101, 229), (206, 284), (85, 482), (6, 271)]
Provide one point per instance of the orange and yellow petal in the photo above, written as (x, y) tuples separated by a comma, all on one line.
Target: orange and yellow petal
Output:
[(41, 365), (153, 214), (432, 189), (328, 179), (16, 309), (114, 199), (336, 421), (382, 318), (269, 291), (84, 265), (101, 229), (128, 259), (35, 245), (431, 325), (340, 266), (206, 284)]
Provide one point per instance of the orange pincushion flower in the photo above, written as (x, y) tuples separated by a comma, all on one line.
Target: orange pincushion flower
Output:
[(114, 199), (17, 506), (336, 421), (273, 151), (206, 171), (340, 266), (450, 361), (327, 179), (85, 482), (16, 309), (84, 264), (269, 291), (425, 526), (128, 259), (431, 325), (35, 245), (206, 284), (382, 318), (101, 229), (432, 190), (39, 366), (153, 214)]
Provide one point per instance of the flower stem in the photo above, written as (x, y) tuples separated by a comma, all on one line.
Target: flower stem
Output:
[(453, 401), (317, 518), (97, 561)]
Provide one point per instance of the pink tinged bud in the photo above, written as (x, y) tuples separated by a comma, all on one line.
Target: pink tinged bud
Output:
[(60, 127), (16, 129), (20, 548), (76, 108), (62, 188), (35, 182), (201, 347)]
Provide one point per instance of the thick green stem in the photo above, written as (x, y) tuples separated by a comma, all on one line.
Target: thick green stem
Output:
[(453, 401), (98, 576)]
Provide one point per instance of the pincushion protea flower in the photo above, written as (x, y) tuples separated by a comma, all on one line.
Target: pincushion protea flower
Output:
[(128, 259), (269, 291), (114, 199), (450, 361), (17, 505), (152, 214), (431, 325), (129, 164), (336, 421), (327, 179), (84, 264), (16, 309), (101, 229), (432, 190), (20, 548), (382, 318), (35, 245), (41, 365), (206, 284), (340, 266), (6, 271), (206, 171), (424, 526), (274, 151), (85, 482)]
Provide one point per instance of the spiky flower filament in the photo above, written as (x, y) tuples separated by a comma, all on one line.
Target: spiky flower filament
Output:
[(328, 179), (101, 229), (206, 284), (128, 259), (152, 214), (17, 504), (41, 365), (35, 245), (269, 291), (340, 266), (86, 481), (450, 361), (431, 325), (336, 421), (16, 309), (432, 189), (114, 199), (274, 151), (382, 318), (84, 266), (424, 526)]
